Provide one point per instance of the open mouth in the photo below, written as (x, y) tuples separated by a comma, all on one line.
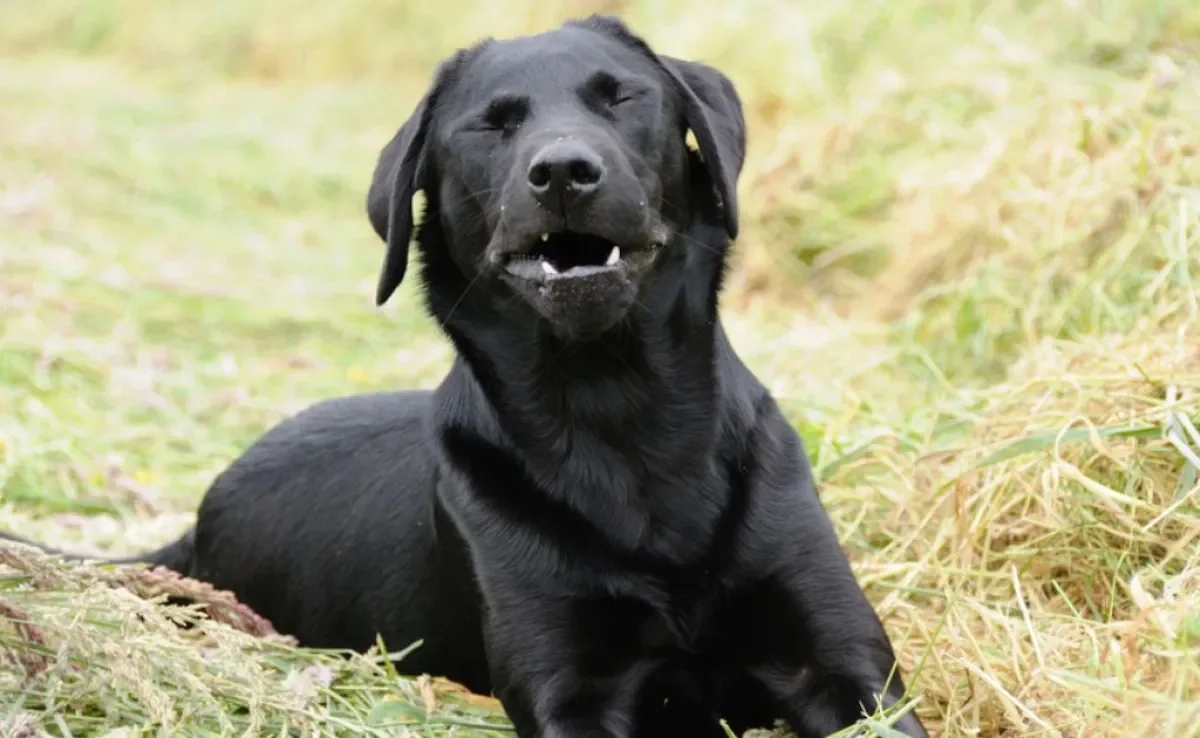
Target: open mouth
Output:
[(566, 254)]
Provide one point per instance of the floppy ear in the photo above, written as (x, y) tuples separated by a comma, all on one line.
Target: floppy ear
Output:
[(389, 200), (401, 171), (713, 112)]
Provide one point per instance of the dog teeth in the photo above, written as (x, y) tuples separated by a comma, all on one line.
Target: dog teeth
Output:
[(548, 268), (545, 237), (613, 256)]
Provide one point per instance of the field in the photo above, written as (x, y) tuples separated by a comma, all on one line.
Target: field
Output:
[(969, 270)]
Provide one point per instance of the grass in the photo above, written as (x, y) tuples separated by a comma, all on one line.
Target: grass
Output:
[(970, 272)]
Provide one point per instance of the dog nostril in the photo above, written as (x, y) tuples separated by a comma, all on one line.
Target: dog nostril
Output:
[(539, 175), (583, 172), (565, 171)]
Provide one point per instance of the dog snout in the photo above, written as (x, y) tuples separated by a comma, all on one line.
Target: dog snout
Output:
[(565, 172)]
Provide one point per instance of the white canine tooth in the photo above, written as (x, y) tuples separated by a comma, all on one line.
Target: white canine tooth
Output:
[(548, 268), (545, 237), (613, 256)]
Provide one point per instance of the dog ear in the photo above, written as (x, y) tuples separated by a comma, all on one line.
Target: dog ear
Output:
[(398, 175), (400, 171), (713, 111)]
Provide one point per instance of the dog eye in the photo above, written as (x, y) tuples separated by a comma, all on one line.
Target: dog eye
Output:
[(505, 114), (606, 89)]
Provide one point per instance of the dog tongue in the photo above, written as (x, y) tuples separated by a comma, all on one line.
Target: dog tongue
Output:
[(525, 268), (535, 269), (583, 270)]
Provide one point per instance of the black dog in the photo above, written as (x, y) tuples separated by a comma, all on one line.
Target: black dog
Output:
[(600, 514)]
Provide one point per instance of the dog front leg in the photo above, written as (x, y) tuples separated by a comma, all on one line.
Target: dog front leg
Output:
[(804, 628), (816, 644), (560, 675)]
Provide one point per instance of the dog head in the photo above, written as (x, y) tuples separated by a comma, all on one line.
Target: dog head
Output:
[(557, 167)]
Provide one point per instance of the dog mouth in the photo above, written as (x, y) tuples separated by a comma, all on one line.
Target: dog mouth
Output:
[(572, 254)]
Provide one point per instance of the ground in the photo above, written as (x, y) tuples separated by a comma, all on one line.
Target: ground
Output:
[(969, 271)]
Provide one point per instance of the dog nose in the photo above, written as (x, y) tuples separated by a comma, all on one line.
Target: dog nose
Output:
[(565, 172)]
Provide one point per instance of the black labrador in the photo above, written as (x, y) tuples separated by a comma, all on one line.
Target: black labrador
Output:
[(600, 515)]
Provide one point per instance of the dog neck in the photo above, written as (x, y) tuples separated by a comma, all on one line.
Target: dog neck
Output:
[(619, 428), (647, 389)]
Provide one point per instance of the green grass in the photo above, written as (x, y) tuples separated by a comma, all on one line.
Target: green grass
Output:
[(969, 271)]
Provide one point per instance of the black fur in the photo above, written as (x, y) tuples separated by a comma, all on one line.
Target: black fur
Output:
[(600, 513)]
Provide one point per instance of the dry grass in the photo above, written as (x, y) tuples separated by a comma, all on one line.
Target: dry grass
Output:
[(969, 272)]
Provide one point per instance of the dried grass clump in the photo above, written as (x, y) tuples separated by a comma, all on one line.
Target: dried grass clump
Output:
[(1043, 570), (89, 649)]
